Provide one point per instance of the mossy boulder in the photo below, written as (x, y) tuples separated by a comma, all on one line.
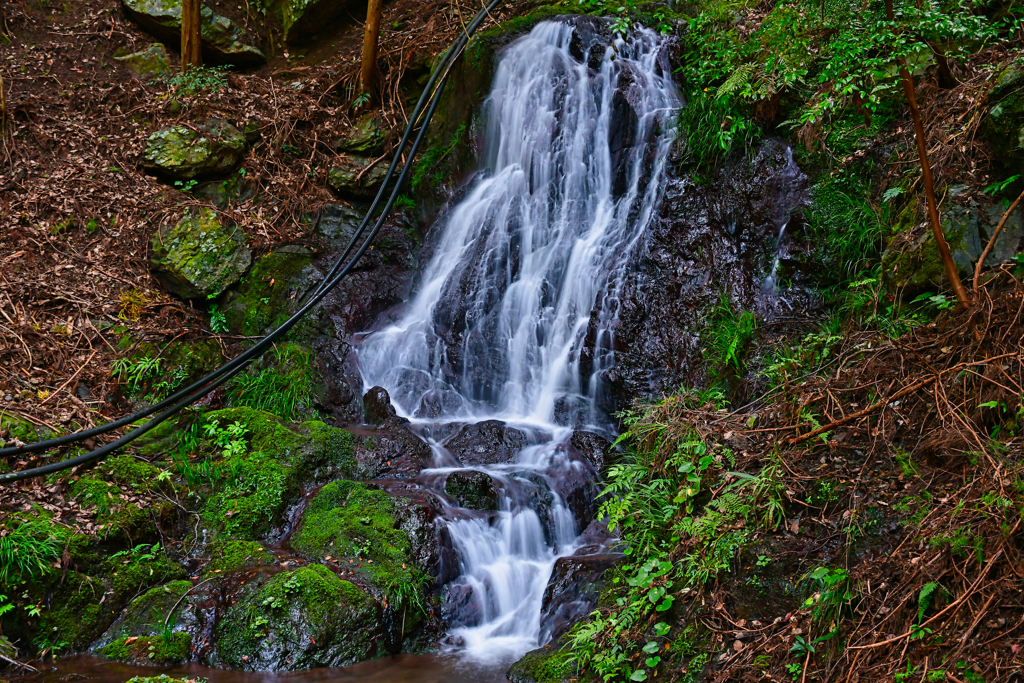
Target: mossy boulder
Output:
[(268, 475), (298, 620), (302, 20), (231, 556), (285, 381), (147, 615), (271, 292), (1004, 127), (14, 430), (199, 257), (181, 362), (162, 650), (224, 193), (180, 152), (473, 490), (365, 139), (356, 527), (120, 516), (149, 64), (357, 176), (223, 41), (543, 665)]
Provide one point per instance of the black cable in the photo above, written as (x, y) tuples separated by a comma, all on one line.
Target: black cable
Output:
[(204, 385), (200, 388)]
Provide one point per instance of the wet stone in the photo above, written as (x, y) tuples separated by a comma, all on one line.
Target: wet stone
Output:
[(489, 442), (180, 152), (377, 407), (473, 490)]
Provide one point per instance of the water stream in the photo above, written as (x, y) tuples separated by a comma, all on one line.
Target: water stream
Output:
[(576, 141)]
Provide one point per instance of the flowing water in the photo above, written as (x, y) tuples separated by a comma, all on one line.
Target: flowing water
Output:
[(576, 142)]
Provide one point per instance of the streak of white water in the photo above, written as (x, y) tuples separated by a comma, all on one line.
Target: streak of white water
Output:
[(575, 155)]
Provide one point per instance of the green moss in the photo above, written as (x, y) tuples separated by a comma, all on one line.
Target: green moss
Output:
[(198, 257), (162, 678), (543, 665), (270, 293), (138, 569), (181, 363), (350, 522), (117, 518), (229, 556), (308, 616), (14, 428), (147, 614), (284, 383), (76, 617), (158, 650)]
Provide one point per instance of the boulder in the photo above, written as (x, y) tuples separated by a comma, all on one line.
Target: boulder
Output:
[(223, 41), (1004, 127), (182, 153), (338, 225), (224, 193), (199, 257), (472, 490), (272, 291), (594, 447), (490, 442), (391, 452), (548, 664), (150, 64), (303, 20), (377, 407), (296, 620), (365, 139), (354, 175)]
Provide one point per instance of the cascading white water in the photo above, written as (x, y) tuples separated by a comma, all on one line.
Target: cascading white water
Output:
[(573, 166)]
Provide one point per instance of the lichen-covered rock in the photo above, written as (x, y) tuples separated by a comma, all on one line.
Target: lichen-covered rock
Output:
[(302, 20), (366, 139), (149, 64), (198, 257), (298, 620), (223, 41), (182, 153), (147, 615), (356, 527), (354, 175), (473, 490)]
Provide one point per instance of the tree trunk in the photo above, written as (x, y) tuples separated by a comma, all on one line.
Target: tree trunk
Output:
[(926, 172), (191, 49), (368, 75)]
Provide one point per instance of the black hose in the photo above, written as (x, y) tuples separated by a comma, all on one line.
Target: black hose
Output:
[(200, 388)]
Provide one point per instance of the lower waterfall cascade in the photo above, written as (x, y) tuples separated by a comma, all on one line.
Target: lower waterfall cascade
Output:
[(494, 337)]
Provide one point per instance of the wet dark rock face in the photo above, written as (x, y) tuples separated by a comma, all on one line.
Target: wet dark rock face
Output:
[(486, 443), (472, 490), (709, 238)]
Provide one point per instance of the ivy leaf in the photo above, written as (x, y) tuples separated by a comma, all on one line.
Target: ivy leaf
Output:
[(639, 675), (652, 661), (651, 647), (661, 629)]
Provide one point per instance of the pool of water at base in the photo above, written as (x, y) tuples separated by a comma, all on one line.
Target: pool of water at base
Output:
[(397, 669)]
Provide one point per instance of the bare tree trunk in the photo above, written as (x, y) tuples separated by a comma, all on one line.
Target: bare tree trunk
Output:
[(368, 75), (926, 172), (191, 49)]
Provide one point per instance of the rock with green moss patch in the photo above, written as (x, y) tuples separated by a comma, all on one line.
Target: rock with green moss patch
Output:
[(473, 490), (163, 650), (543, 665), (365, 139), (118, 517), (15, 431), (223, 41), (271, 292), (214, 147), (153, 613), (1004, 126), (150, 64), (347, 521), (283, 382), (224, 193), (231, 556), (198, 257), (357, 176), (302, 20), (298, 620)]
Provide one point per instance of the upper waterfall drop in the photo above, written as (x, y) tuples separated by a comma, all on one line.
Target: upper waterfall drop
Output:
[(575, 148)]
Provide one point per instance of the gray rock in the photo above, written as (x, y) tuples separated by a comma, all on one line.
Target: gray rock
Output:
[(149, 64), (302, 20), (486, 443), (223, 41), (353, 175), (182, 153), (377, 407), (366, 139), (199, 257), (472, 490)]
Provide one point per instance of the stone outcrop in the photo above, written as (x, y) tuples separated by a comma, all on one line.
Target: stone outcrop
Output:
[(199, 257), (214, 147), (150, 64), (223, 41)]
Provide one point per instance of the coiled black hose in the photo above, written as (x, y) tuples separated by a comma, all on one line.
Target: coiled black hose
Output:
[(195, 391)]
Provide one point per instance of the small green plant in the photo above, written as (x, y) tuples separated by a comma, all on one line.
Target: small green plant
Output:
[(361, 100), (218, 320), (199, 80), (135, 373), (27, 551), (728, 334), (185, 185)]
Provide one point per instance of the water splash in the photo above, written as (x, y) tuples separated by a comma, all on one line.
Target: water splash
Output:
[(577, 138)]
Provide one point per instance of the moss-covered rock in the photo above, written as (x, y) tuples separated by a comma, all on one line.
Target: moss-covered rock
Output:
[(162, 650), (199, 257), (14, 430), (151, 614), (150, 64), (224, 193), (473, 490), (260, 481), (356, 525), (284, 382), (180, 152), (223, 41), (1004, 127), (271, 292), (365, 139), (231, 556), (119, 517), (298, 620), (180, 364), (543, 665), (301, 20), (357, 176)]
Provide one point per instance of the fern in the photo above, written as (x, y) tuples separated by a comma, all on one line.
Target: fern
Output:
[(739, 78), (924, 600)]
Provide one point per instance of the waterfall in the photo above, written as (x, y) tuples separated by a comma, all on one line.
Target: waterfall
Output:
[(522, 267)]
